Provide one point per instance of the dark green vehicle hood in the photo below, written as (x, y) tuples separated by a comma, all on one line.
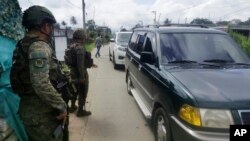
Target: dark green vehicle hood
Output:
[(217, 88)]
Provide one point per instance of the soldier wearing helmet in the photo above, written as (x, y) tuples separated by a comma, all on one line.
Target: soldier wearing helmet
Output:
[(78, 59), (42, 108)]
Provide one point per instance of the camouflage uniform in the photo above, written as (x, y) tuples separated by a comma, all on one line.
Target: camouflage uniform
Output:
[(79, 73), (32, 70)]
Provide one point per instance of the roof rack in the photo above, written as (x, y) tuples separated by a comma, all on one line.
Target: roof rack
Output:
[(173, 25), (184, 25)]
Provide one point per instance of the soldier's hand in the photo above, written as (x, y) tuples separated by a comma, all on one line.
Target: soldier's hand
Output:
[(62, 116)]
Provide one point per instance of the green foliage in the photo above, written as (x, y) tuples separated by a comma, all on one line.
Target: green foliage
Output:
[(11, 19), (243, 41), (201, 21), (89, 46)]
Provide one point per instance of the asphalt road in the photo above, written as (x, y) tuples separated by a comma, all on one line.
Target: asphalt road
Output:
[(115, 114)]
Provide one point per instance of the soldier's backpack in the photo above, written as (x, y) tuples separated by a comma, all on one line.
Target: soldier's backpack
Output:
[(88, 60), (70, 57)]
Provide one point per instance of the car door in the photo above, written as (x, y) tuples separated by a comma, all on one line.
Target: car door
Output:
[(145, 71), (133, 56)]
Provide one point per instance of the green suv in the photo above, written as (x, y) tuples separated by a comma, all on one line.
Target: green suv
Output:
[(192, 82)]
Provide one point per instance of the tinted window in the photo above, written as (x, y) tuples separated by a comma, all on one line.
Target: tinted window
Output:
[(199, 47), (150, 42), (137, 41), (132, 44)]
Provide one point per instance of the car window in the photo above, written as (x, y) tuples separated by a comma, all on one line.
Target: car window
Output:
[(123, 38), (132, 44), (199, 47), (137, 42), (150, 42), (140, 42)]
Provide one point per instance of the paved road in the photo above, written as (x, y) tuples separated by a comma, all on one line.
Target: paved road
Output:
[(115, 114)]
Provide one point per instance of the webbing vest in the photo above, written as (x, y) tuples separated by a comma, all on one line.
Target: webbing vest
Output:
[(20, 73)]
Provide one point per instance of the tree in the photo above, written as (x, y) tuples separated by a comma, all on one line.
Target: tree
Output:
[(91, 25), (235, 21), (64, 23), (247, 22), (167, 21), (201, 21), (222, 23), (73, 20)]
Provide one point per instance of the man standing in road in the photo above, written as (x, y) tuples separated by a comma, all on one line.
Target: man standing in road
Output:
[(42, 108), (98, 44), (76, 58)]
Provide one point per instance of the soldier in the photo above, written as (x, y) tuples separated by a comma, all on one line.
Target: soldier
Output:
[(42, 108), (77, 58)]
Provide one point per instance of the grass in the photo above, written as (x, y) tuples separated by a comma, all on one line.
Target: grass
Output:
[(90, 46)]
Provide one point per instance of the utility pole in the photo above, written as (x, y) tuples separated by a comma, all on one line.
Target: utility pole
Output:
[(158, 22), (83, 13), (155, 17)]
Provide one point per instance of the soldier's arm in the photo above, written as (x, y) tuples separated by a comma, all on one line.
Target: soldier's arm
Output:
[(81, 66), (39, 62)]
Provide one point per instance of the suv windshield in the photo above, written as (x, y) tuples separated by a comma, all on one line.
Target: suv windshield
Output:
[(200, 47), (123, 38)]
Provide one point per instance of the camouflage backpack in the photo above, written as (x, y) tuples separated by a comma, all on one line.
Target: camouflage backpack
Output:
[(70, 57)]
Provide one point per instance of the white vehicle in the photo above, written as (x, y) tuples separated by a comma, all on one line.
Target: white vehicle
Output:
[(117, 48)]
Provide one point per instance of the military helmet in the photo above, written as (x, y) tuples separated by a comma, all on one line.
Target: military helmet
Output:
[(79, 34), (36, 15)]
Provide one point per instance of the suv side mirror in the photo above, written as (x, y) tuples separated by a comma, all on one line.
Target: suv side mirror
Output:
[(147, 57), (112, 40)]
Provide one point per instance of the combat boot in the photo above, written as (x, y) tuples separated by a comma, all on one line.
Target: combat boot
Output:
[(81, 113)]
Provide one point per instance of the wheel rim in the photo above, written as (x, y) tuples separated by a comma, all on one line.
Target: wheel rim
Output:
[(129, 85), (161, 129)]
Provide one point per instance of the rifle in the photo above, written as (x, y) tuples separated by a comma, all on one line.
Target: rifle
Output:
[(62, 130)]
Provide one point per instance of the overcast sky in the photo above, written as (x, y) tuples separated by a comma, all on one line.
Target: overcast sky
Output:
[(127, 13)]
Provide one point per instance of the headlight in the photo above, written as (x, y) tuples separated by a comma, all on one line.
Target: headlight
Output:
[(206, 117), (190, 115), (216, 118)]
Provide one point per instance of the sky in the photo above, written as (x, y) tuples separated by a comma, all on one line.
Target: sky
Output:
[(127, 13)]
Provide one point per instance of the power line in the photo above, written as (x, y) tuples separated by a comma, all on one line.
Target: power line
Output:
[(233, 13), (72, 4)]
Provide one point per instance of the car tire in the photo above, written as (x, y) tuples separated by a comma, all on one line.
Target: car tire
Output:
[(129, 85), (161, 127), (115, 65)]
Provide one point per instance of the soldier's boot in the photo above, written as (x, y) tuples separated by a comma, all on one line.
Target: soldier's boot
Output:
[(81, 113)]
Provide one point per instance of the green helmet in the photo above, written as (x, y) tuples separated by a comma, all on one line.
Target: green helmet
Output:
[(36, 15), (79, 34)]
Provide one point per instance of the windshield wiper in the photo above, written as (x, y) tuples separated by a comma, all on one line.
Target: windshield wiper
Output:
[(183, 61), (218, 61)]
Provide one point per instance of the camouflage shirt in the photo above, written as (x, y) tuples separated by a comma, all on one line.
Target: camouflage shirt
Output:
[(41, 69), (80, 71)]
